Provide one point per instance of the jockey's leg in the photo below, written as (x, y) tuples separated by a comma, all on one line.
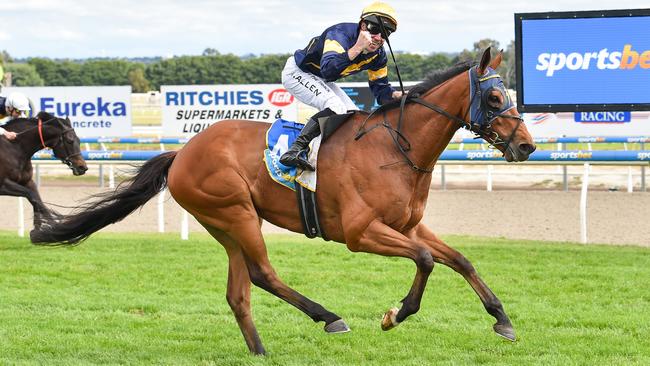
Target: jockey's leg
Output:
[(294, 156)]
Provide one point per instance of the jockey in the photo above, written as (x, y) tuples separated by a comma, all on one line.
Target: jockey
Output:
[(341, 50), (15, 105)]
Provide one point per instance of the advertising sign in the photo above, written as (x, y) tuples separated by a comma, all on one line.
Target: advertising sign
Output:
[(93, 110), (583, 61), (190, 109), (578, 124)]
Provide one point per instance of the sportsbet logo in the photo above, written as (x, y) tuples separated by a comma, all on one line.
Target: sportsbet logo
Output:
[(603, 60)]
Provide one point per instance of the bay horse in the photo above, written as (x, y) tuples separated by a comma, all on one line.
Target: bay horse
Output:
[(34, 134), (373, 187)]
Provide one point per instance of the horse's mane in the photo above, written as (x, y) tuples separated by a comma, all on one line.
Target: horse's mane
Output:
[(437, 77), (432, 79), (17, 124), (20, 123)]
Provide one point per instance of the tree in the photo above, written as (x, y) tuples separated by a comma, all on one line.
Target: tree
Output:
[(24, 75), (105, 72), (477, 50), (508, 67), (58, 73), (139, 83), (5, 57)]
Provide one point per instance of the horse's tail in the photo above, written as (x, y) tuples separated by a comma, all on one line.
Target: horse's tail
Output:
[(108, 207)]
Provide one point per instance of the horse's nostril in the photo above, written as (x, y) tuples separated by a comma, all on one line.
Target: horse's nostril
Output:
[(527, 148)]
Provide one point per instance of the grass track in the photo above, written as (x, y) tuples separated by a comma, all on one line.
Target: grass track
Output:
[(151, 299)]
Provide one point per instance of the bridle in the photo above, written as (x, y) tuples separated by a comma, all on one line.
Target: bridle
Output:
[(68, 150), (480, 122), (482, 114)]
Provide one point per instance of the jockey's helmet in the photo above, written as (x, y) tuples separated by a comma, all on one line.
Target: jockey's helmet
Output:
[(18, 101), (380, 12)]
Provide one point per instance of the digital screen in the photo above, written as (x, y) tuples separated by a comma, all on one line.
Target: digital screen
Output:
[(583, 61)]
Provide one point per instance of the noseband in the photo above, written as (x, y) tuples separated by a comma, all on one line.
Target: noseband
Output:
[(481, 115)]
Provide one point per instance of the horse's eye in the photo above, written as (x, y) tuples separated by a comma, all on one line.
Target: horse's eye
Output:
[(494, 101)]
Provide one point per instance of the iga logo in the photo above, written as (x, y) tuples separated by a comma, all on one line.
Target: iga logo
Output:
[(280, 97)]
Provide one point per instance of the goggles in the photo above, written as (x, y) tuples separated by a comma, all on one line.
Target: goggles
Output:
[(375, 28)]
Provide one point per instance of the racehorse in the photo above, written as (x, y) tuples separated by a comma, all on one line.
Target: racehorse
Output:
[(373, 187), (34, 134)]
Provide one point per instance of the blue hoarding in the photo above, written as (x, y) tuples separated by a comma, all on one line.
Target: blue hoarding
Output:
[(582, 61)]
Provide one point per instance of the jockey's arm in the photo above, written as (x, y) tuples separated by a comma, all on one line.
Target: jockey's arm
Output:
[(337, 51), (378, 81)]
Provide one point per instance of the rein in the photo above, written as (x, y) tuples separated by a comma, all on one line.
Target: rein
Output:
[(482, 129), (60, 141)]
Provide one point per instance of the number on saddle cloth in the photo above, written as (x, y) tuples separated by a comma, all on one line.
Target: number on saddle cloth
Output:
[(282, 134), (278, 139)]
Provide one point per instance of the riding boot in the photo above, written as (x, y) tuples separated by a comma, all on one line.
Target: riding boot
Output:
[(293, 156)]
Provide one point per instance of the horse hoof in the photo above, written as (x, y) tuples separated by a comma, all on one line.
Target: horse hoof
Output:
[(505, 331), (338, 326), (390, 319)]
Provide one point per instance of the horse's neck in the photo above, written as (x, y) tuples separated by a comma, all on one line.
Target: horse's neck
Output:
[(428, 131), (28, 140)]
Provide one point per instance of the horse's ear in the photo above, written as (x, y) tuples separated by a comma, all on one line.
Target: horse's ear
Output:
[(496, 61), (485, 60)]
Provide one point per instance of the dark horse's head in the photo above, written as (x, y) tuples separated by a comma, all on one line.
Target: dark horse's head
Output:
[(58, 134), (493, 114)]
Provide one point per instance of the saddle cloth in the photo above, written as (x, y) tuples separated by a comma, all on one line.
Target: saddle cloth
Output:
[(278, 139)]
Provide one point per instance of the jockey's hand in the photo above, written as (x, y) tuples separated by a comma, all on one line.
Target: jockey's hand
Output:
[(397, 94), (10, 135), (363, 42)]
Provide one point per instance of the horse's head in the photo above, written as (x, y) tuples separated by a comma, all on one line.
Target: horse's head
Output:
[(63, 141), (493, 114)]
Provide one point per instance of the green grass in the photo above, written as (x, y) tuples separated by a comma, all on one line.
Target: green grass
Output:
[(152, 299)]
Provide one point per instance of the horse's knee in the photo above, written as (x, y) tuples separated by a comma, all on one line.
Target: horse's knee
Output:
[(425, 261)]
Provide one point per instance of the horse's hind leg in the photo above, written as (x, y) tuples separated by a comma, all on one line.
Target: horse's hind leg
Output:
[(30, 192), (262, 274), (246, 232), (444, 254), (239, 291)]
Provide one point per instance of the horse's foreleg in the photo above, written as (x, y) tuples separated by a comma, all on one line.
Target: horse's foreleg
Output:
[(379, 238), (444, 254), (239, 291)]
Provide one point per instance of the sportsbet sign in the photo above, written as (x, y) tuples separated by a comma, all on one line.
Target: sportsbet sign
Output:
[(583, 61), (190, 109)]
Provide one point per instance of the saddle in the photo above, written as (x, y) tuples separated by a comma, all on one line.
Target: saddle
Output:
[(278, 139)]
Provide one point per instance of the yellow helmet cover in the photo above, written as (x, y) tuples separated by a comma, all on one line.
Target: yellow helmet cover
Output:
[(378, 10)]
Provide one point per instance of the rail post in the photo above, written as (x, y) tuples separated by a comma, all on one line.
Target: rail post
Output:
[(21, 218), (583, 205)]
